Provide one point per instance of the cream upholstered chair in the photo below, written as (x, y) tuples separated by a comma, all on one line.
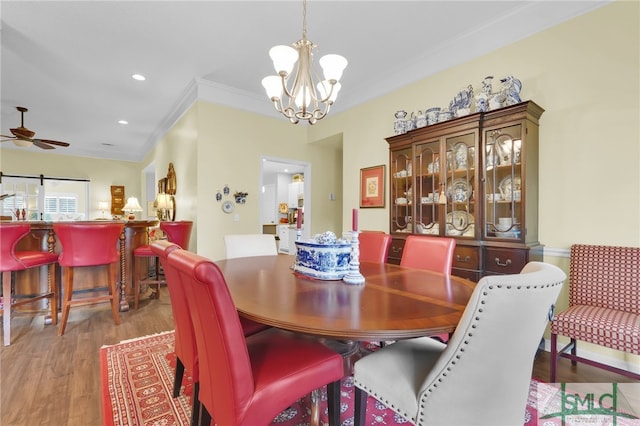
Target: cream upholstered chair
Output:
[(430, 383), (248, 245)]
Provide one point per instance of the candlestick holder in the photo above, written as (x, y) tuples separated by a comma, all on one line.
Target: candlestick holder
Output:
[(354, 276)]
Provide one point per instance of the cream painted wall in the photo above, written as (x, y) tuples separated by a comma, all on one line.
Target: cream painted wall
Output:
[(212, 145), (585, 74), (230, 145), (101, 173), (180, 147)]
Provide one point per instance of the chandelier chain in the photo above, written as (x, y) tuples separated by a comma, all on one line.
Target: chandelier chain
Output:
[(304, 19)]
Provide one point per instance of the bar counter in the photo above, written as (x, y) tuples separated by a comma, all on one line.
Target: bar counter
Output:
[(88, 278)]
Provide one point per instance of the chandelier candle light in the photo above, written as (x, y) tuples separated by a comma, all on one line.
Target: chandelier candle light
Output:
[(354, 276), (304, 101)]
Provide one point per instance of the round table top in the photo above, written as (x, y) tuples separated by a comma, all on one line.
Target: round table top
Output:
[(394, 302)]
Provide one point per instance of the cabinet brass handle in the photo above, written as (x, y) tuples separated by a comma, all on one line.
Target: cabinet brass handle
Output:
[(462, 260), (507, 263), (396, 249)]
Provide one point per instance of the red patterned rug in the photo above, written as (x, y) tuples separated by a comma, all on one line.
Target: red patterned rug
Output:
[(137, 382)]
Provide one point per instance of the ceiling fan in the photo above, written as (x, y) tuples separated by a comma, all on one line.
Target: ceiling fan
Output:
[(25, 137)]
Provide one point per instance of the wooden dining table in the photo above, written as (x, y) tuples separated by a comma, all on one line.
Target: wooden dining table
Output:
[(394, 302)]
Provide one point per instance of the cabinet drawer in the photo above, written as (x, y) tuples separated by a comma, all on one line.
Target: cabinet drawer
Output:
[(468, 274), (505, 261), (466, 257), (395, 251)]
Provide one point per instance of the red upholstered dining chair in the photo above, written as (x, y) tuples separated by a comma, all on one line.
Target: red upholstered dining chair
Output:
[(11, 261), (88, 244), (374, 246), (249, 380), (431, 253), (185, 341), (178, 232)]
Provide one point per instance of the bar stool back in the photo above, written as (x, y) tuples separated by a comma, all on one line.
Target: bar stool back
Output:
[(178, 232), (88, 244), (12, 261)]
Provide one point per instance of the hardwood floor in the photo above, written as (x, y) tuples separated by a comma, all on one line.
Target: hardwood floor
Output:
[(51, 380)]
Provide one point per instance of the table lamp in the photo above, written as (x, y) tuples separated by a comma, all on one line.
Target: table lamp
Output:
[(132, 206), (103, 205), (163, 205)]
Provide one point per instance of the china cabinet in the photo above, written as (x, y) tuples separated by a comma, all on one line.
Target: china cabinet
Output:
[(472, 178)]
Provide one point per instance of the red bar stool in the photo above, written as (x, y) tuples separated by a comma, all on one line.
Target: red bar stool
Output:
[(88, 244), (11, 261), (179, 233)]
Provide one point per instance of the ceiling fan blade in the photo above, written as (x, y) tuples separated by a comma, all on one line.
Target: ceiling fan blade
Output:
[(7, 138), (40, 144), (49, 141)]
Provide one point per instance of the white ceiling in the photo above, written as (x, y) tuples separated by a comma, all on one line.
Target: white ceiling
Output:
[(71, 62)]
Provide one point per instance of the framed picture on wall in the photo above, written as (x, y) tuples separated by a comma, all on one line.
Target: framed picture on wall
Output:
[(372, 186)]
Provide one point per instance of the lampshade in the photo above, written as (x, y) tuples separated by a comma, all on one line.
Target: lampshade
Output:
[(163, 201), (103, 205), (132, 205)]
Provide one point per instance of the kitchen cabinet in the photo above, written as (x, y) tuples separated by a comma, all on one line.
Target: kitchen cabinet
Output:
[(475, 179), (296, 195), (283, 234)]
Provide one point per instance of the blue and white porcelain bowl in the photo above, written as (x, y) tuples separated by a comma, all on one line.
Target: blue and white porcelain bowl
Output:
[(323, 261)]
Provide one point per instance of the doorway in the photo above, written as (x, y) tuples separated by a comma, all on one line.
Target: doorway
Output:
[(275, 175)]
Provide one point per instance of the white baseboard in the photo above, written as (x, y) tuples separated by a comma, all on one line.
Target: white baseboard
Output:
[(557, 252)]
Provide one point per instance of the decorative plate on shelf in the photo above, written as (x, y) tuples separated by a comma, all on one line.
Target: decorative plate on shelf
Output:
[(459, 190), (462, 156), (227, 207), (458, 222), (508, 185)]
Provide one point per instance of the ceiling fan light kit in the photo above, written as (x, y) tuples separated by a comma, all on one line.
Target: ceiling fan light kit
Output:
[(24, 137), (306, 100)]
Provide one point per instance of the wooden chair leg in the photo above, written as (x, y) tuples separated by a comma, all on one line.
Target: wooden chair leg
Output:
[(197, 406), (177, 380), (115, 296), (333, 401), (67, 279), (6, 312), (136, 283), (205, 417), (554, 358), (360, 408), (54, 290)]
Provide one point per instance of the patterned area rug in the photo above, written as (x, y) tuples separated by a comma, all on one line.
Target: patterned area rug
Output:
[(137, 382)]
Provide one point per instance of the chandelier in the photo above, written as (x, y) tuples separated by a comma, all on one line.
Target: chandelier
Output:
[(304, 99)]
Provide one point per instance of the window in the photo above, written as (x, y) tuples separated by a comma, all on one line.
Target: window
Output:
[(43, 198)]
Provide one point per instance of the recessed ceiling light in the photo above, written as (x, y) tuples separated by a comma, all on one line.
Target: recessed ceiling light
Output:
[(123, 122), (139, 77)]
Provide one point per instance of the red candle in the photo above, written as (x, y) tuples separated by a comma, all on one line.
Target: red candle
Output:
[(299, 220), (354, 220)]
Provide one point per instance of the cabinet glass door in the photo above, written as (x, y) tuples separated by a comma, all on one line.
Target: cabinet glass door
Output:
[(401, 191), (503, 183), (427, 190), (460, 186)]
